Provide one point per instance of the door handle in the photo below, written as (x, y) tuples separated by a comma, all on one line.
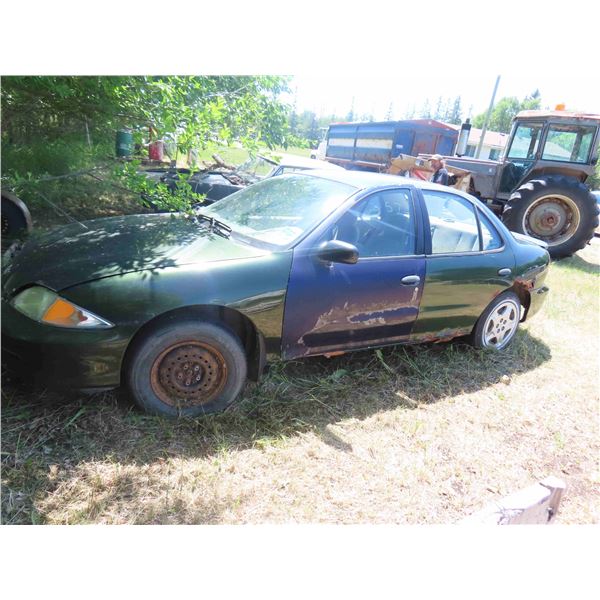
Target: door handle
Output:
[(504, 272), (410, 280)]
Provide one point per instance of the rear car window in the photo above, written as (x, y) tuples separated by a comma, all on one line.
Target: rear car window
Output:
[(453, 223)]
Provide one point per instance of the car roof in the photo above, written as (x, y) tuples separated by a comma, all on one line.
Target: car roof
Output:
[(365, 179), (291, 160)]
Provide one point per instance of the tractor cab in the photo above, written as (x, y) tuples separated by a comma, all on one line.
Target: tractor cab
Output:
[(549, 142)]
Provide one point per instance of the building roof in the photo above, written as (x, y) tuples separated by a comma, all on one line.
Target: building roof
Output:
[(492, 138)]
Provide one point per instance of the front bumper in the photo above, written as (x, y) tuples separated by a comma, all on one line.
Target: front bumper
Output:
[(61, 358)]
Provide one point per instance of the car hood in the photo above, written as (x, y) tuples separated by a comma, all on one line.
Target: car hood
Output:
[(73, 254)]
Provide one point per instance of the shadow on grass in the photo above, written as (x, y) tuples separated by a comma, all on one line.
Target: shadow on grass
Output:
[(577, 263), (39, 431)]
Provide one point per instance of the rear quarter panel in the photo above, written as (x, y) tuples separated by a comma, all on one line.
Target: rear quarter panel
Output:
[(457, 290)]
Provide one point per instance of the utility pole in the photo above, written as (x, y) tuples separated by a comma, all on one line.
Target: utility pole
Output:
[(487, 119)]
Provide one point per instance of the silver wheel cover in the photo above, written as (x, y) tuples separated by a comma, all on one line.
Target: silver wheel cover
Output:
[(501, 324)]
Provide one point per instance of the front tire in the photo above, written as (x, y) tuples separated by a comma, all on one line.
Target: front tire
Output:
[(558, 210), (186, 368), (498, 324)]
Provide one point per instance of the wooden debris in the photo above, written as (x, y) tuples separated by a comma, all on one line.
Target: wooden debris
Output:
[(535, 505), (221, 163)]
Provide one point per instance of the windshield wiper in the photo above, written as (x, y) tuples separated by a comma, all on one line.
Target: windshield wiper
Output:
[(215, 226)]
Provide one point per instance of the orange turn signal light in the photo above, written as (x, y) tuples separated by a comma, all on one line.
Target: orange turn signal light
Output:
[(61, 312)]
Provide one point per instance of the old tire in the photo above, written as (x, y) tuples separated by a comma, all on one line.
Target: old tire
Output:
[(16, 218), (558, 210), (498, 324), (186, 368)]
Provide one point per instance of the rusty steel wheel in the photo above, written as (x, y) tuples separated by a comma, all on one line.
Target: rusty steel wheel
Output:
[(557, 209), (186, 368), (553, 218), (188, 374)]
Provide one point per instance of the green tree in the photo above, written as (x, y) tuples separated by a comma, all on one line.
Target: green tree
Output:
[(425, 112), (313, 132), (390, 112), (410, 112), (504, 111), (438, 114), (196, 110), (53, 125), (456, 114), (294, 116), (350, 115)]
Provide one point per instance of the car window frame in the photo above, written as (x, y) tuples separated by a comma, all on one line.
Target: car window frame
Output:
[(493, 226), (310, 241), (428, 246), (417, 222)]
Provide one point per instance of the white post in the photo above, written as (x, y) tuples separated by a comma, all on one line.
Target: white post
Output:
[(487, 119)]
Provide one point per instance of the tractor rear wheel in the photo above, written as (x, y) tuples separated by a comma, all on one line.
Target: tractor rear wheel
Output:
[(559, 210)]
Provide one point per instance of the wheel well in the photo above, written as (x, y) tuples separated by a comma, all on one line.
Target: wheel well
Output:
[(236, 322), (520, 289), (574, 174)]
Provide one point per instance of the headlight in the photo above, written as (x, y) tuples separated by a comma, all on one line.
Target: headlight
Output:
[(45, 306)]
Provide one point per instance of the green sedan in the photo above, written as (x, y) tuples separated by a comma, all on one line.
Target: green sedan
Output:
[(182, 309)]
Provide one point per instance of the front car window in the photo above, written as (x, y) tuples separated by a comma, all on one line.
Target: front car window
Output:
[(568, 143), (380, 225), (525, 141), (280, 210), (453, 223)]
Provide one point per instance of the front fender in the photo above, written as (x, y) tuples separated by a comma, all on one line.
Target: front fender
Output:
[(255, 287)]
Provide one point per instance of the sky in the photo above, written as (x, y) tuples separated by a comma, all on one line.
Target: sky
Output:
[(399, 52), (326, 95)]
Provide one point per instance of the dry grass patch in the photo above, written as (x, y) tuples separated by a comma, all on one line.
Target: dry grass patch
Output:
[(427, 434)]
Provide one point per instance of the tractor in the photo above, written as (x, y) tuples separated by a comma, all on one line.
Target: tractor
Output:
[(539, 186)]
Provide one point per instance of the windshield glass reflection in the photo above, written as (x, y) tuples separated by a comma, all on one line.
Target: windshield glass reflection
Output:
[(280, 210)]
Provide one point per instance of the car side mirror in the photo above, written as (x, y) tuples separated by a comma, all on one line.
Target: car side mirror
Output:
[(594, 161), (338, 252)]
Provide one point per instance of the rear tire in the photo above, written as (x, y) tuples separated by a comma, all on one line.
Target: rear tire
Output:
[(498, 324), (556, 209), (186, 368)]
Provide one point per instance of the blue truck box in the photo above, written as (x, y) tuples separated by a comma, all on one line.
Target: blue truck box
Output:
[(371, 146)]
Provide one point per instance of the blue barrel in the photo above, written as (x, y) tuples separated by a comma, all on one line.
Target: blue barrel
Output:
[(124, 145)]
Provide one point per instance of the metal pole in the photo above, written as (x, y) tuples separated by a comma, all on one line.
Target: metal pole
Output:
[(487, 119)]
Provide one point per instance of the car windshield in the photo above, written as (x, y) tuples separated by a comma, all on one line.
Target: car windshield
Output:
[(280, 210), (256, 168)]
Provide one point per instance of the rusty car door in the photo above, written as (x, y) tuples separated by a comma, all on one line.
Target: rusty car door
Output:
[(332, 307)]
